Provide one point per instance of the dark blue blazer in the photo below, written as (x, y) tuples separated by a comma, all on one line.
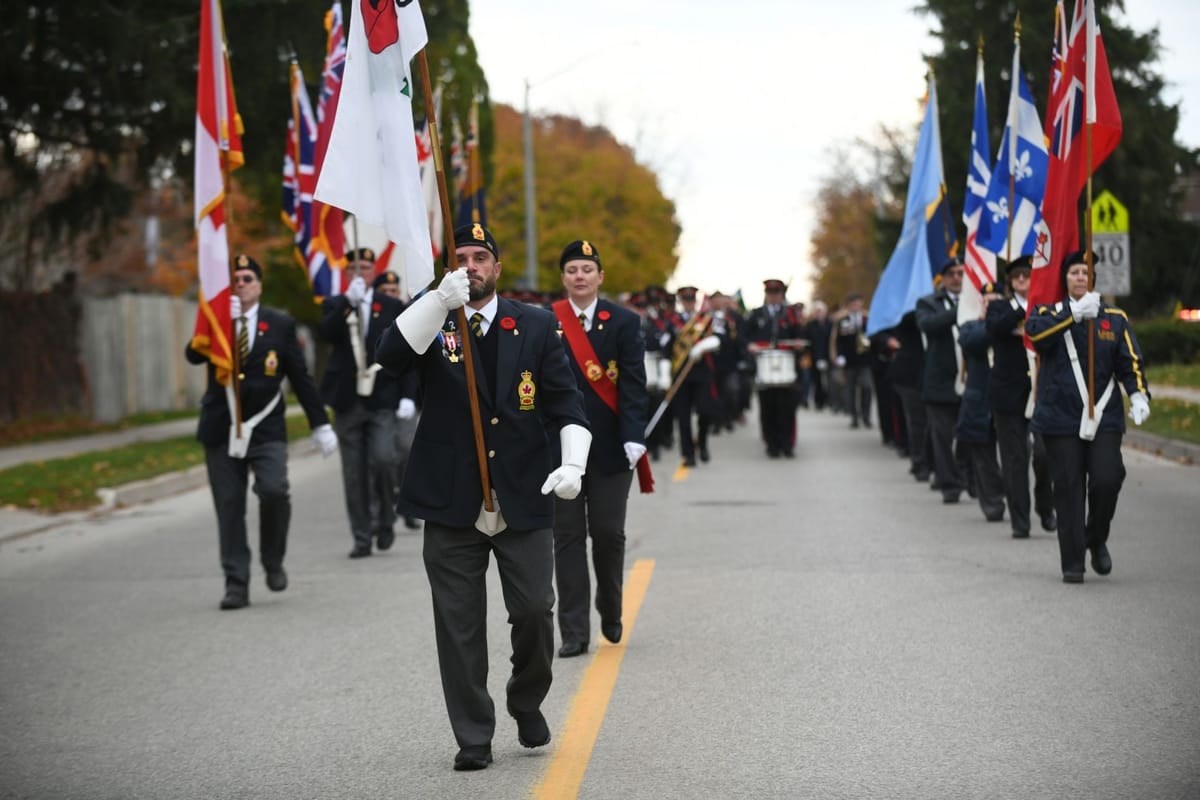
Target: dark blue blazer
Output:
[(618, 344), (275, 355), (535, 395)]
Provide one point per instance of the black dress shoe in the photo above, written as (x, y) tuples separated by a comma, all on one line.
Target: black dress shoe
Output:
[(473, 758), (1101, 560), (994, 516), (689, 462), (234, 598), (572, 649), (360, 551), (789, 453), (1020, 534), (532, 730), (1050, 522), (412, 523), (612, 631), (1072, 577), (385, 538), (277, 580), (704, 454), (951, 497)]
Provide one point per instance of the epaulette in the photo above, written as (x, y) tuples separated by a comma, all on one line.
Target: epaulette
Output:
[(1117, 311)]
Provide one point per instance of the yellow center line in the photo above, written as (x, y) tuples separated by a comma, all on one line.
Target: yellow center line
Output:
[(681, 472), (565, 773)]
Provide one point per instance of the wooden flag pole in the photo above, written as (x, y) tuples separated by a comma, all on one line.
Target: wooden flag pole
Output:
[(452, 261)]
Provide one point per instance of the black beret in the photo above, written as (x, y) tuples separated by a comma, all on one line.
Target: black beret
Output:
[(244, 261), (361, 254), (954, 261), (477, 235), (388, 278), (774, 285), (579, 249), (1077, 257), (1024, 262)]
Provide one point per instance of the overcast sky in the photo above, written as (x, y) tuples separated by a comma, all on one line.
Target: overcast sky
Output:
[(667, 78)]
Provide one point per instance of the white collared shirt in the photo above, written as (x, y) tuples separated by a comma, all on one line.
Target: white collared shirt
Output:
[(589, 312), (488, 311), (251, 315)]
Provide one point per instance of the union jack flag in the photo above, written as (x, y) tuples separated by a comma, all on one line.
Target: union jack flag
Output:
[(299, 177), (325, 257)]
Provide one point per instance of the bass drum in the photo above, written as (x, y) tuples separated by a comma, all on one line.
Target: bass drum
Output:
[(775, 369)]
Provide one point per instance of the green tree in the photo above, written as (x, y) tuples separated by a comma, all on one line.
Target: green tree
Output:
[(589, 186), (1144, 171)]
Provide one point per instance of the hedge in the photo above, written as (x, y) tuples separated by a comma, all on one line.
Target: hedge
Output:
[(1165, 340)]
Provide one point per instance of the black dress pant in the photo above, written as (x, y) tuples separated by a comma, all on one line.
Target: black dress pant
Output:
[(917, 429), (777, 418), (942, 418), (456, 562), (688, 400), (1087, 478), (227, 477), (598, 512), (1012, 435), (989, 485)]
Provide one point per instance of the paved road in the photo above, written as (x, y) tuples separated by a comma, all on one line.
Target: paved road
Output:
[(819, 628)]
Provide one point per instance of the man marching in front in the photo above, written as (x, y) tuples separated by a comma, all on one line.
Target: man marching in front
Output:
[(525, 392), (606, 351)]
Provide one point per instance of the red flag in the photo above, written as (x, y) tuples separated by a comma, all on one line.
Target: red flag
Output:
[(1083, 98), (218, 149)]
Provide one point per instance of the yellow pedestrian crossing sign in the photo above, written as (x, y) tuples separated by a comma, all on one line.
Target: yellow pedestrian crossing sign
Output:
[(1108, 215)]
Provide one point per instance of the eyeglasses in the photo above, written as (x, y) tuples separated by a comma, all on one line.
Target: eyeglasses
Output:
[(245, 278)]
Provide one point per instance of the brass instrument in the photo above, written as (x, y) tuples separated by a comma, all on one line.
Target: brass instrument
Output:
[(861, 343), (692, 332)]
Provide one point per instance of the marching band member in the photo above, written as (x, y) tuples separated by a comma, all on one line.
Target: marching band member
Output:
[(773, 329)]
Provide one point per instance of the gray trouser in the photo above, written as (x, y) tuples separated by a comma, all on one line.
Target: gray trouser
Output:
[(456, 562), (227, 477), (367, 444), (599, 511)]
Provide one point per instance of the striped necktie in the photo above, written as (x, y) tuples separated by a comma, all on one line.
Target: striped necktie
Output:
[(583, 320), (243, 338), (477, 325)]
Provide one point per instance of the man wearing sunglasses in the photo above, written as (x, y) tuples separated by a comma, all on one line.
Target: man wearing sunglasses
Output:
[(269, 351)]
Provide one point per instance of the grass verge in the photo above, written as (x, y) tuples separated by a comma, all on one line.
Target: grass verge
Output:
[(1174, 375), (44, 429), (70, 484), (1173, 419)]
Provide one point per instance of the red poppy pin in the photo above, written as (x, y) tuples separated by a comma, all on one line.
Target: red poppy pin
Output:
[(262, 327), (508, 323), (603, 315), (377, 307), (1105, 325)]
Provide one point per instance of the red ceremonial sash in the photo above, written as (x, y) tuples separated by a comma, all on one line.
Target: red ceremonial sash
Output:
[(585, 356)]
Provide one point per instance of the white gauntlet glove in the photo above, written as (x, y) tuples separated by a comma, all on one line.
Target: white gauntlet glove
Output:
[(567, 480), (421, 321), (705, 345), (356, 291), (634, 453), (1139, 408), (324, 438), (235, 306), (1086, 307)]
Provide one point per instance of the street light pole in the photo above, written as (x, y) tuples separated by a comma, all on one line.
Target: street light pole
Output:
[(531, 259)]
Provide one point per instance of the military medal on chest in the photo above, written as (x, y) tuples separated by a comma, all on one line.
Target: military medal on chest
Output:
[(525, 391), (271, 364), (451, 346)]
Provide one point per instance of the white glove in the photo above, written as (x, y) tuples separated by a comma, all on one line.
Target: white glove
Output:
[(455, 289), (822, 364), (1086, 307), (705, 345), (634, 452), (356, 291), (421, 321), (235, 306), (664, 339), (324, 438), (840, 361), (1139, 408), (407, 409), (567, 480)]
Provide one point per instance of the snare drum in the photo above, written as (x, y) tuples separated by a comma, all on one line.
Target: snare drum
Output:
[(775, 368)]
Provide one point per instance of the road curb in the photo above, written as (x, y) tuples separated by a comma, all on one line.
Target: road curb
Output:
[(1180, 452), (137, 492)]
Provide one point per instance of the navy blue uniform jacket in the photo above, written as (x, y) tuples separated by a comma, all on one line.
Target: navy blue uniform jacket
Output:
[(274, 356), (1010, 369), (1060, 406), (620, 349), (339, 386), (441, 482)]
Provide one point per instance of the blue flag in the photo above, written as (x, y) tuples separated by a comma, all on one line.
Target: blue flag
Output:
[(979, 265), (1024, 160), (925, 239)]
